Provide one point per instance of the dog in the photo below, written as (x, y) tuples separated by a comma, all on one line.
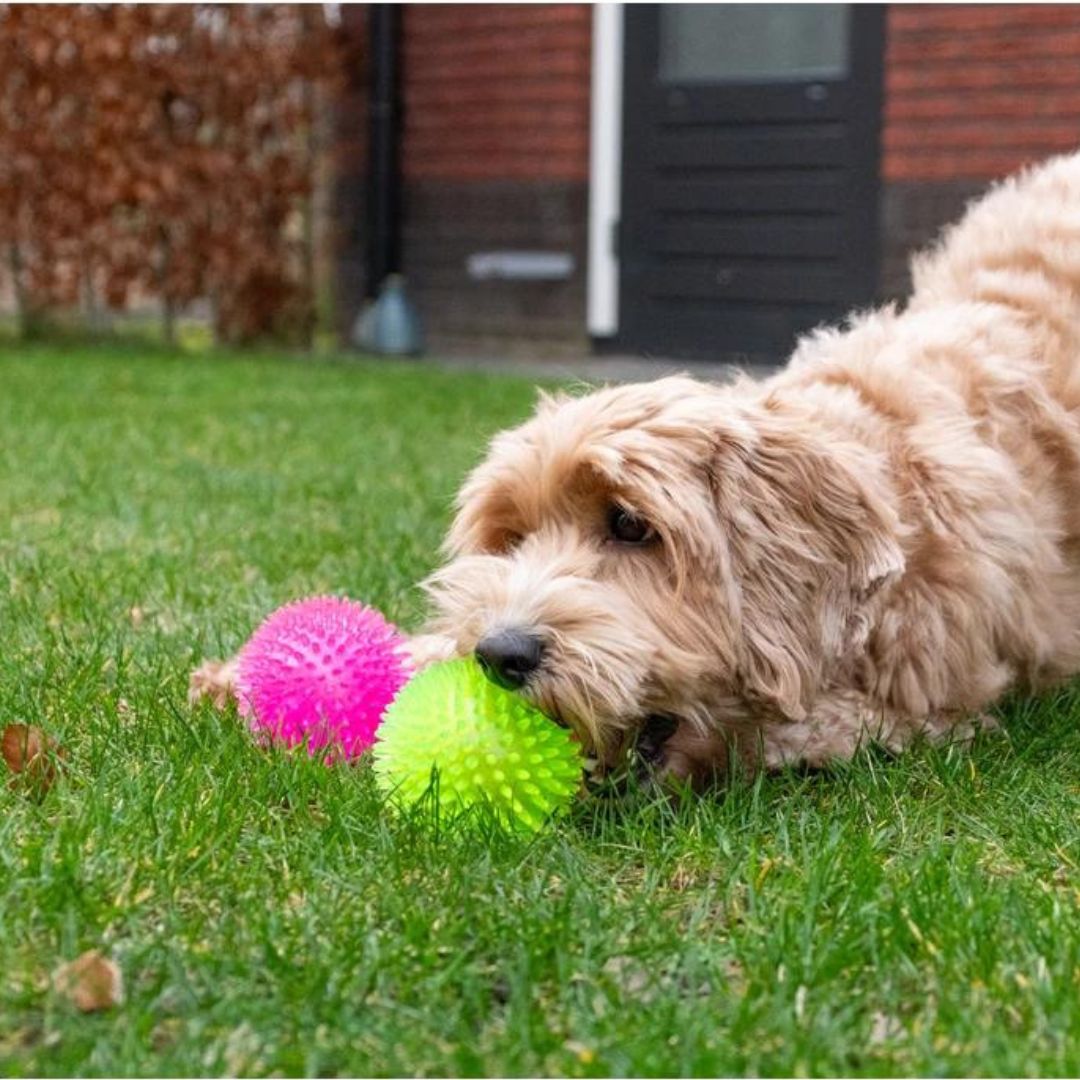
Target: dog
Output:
[(870, 546)]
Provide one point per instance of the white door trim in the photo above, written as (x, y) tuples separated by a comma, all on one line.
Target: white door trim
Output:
[(605, 169)]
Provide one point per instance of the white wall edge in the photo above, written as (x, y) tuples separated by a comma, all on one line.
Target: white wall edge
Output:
[(605, 169)]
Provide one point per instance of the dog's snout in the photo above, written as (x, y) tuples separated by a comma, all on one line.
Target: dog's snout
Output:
[(509, 657)]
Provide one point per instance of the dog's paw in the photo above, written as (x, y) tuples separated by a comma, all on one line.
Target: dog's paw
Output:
[(213, 681), (425, 649), (968, 730), (676, 756)]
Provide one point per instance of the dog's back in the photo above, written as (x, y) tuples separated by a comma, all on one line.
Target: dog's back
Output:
[(1018, 247), (972, 392)]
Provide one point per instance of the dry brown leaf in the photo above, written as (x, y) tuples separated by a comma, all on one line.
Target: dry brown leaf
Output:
[(22, 745), (91, 983), (31, 754)]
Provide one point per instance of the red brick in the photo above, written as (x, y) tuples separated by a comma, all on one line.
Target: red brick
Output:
[(497, 91), (991, 105), (973, 92), (439, 20), (512, 118), (977, 165), (998, 47), (933, 18), (946, 78), (526, 93), (502, 91), (1035, 134)]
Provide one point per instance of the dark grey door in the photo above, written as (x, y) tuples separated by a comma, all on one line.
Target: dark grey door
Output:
[(750, 173)]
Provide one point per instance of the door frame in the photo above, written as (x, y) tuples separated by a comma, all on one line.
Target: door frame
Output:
[(605, 173)]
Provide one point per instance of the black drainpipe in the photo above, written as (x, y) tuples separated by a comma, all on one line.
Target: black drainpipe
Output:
[(384, 169)]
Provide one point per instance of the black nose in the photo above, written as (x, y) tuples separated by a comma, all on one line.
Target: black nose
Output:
[(508, 657)]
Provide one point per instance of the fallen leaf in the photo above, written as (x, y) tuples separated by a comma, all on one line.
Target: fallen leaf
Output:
[(21, 745), (31, 754), (90, 982)]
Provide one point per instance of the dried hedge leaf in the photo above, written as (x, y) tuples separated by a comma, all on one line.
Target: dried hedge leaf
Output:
[(91, 982), (32, 755)]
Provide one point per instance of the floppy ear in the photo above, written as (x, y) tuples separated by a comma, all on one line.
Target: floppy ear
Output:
[(810, 543)]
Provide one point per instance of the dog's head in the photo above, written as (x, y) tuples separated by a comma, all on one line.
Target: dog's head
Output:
[(668, 548)]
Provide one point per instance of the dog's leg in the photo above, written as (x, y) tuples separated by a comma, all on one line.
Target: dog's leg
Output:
[(845, 722), (424, 649), (215, 680), (677, 755)]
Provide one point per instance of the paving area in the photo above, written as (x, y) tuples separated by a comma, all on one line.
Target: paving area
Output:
[(597, 369)]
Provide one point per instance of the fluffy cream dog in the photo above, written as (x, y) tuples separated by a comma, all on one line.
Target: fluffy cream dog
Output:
[(870, 546)]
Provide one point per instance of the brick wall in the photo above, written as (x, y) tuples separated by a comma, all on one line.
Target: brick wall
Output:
[(496, 157), (496, 142), (971, 94), (497, 92), (974, 92)]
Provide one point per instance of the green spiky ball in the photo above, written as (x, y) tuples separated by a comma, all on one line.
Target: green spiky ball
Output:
[(488, 746)]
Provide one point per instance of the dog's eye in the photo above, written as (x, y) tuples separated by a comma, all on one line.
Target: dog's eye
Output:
[(508, 541), (627, 528)]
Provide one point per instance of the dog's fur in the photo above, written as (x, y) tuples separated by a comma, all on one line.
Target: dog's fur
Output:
[(871, 545)]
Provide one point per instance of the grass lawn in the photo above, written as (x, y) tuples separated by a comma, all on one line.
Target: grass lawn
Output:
[(912, 916)]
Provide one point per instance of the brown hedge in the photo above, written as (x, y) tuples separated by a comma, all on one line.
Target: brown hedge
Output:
[(167, 152)]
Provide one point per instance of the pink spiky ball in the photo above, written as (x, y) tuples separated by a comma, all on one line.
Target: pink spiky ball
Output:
[(321, 671)]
